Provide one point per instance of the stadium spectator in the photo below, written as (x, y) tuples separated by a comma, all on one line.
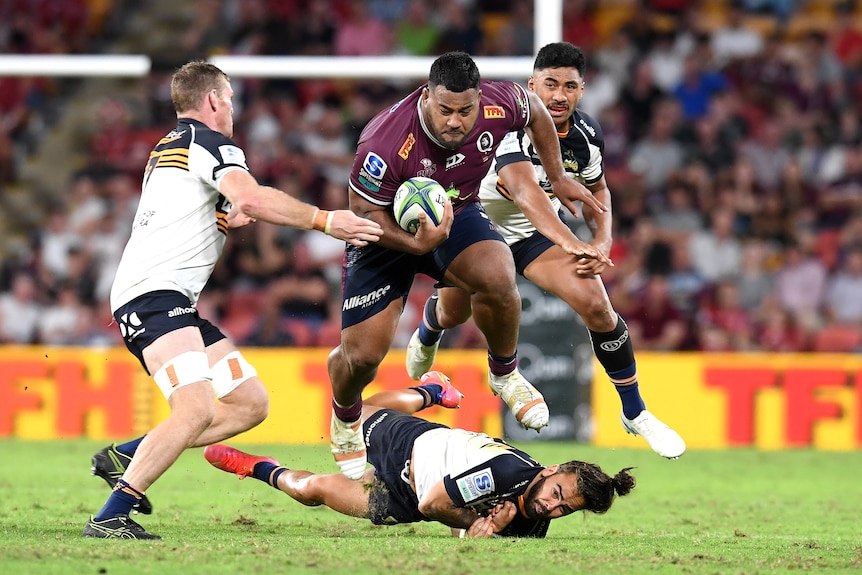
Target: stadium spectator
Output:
[(20, 311), (841, 301)]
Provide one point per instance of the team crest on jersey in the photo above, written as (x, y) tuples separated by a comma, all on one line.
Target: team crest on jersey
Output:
[(494, 112), (232, 155), (428, 168), (372, 170), (485, 143), (404, 152), (455, 160), (569, 162), (476, 485)]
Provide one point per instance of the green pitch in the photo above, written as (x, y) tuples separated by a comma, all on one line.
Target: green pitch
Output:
[(733, 512)]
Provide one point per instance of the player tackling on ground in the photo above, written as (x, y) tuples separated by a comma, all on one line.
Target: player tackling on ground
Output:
[(423, 471), (520, 199)]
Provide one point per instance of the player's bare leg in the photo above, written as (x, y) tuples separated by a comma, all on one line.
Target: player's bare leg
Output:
[(555, 272), (352, 366)]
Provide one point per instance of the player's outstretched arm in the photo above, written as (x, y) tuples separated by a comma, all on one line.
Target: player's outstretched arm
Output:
[(600, 225), (274, 206), (520, 179)]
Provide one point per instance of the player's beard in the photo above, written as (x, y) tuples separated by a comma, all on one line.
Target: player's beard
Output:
[(530, 499)]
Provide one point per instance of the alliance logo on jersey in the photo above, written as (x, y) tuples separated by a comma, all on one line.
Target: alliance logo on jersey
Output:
[(494, 112), (232, 155), (455, 160), (130, 326), (371, 172), (476, 485), (404, 152)]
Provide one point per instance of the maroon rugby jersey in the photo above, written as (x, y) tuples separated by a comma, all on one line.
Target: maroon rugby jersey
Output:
[(394, 146)]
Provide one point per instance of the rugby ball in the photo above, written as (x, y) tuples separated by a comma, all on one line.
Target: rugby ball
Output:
[(415, 196)]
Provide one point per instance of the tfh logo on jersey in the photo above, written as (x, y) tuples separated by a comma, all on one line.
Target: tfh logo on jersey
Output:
[(494, 112), (476, 485)]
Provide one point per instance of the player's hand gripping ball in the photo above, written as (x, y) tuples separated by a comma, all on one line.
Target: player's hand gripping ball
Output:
[(418, 195)]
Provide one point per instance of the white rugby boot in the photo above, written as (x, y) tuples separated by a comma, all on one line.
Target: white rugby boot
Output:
[(420, 357), (663, 440), (526, 403), (348, 446)]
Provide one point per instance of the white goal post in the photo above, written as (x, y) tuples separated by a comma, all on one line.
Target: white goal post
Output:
[(547, 16)]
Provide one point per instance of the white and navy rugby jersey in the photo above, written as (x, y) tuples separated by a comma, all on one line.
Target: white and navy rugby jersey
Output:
[(582, 148), (181, 223), (478, 473)]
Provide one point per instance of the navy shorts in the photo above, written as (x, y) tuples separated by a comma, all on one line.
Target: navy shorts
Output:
[(389, 437), (150, 316), (527, 250), (373, 276)]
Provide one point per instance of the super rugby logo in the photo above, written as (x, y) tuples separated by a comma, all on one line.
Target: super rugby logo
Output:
[(615, 344), (372, 170), (365, 300), (476, 485)]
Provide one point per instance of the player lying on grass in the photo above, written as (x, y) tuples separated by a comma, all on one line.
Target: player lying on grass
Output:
[(424, 471)]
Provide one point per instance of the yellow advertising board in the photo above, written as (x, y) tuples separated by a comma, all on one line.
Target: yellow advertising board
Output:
[(768, 401), (51, 393)]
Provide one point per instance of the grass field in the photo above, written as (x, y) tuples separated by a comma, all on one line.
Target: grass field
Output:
[(733, 512)]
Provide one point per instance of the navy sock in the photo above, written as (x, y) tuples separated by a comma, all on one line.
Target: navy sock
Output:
[(631, 398), (431, 393), (130, 447), (268, 472), (430, 335), (499, 365), (120, 502), (348, 414)]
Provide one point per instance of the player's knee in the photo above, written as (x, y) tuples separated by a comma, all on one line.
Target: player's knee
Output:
[(598, 315)]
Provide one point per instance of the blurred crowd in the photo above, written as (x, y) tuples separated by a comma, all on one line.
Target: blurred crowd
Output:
[(733, 150)]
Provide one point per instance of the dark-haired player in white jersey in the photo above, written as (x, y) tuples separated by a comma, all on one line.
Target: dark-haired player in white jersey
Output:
[(520, 199), (196, 186), (447, 130), (478, 485)]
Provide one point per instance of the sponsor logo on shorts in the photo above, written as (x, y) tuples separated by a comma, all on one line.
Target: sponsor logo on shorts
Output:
[(615, 344), (130, 326), (180, 311), (476, 485), (371, 427), (494, 112), (404, 152), (365, 300)]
